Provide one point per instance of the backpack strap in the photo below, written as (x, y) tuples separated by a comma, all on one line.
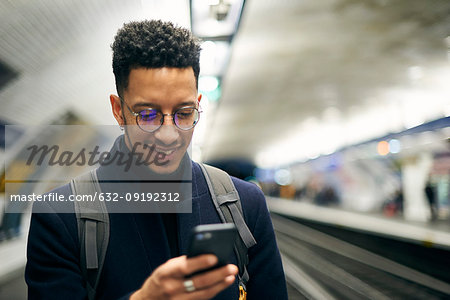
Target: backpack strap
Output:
[(228, 205), (93, 229)]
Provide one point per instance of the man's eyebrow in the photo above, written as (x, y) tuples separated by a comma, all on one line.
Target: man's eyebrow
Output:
[(146, 105), (186, 103)]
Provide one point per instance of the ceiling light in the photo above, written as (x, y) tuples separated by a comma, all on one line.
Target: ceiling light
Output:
[(283, 177), (394, 146), (216, 19), (208, 83), (214, 58), (383, 148)]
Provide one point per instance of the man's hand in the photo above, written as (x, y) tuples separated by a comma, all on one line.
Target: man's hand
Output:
[(167, 281)]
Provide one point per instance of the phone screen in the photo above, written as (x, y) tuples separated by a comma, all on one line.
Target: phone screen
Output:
[(217, 239)]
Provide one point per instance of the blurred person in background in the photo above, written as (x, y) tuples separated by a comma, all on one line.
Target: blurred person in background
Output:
[(156, 68), (431, 198)]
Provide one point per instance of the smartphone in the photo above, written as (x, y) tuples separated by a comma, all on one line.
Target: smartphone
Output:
[(217, 239)]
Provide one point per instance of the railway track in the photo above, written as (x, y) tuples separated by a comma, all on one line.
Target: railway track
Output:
[(320, 266)]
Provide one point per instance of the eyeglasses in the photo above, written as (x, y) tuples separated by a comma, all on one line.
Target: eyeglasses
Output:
[(149, 119)]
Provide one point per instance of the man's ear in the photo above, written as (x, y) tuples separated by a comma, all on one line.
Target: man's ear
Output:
[(116, 109)]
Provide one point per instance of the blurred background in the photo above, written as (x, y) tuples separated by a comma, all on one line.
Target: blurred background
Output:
[(338, 109)]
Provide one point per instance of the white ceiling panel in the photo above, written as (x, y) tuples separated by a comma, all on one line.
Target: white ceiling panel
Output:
[(293, 60)]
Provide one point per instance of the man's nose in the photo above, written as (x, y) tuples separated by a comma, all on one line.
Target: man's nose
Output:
[(168, 133)]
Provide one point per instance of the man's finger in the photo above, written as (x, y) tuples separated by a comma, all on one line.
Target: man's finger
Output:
[(183, 266), (213, 277), (205, 280), (211, 291)]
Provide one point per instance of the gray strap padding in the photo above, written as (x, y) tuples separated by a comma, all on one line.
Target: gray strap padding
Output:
[(245, 277), (86, 185), (230, 197), (244, 232), (225, 193), (213, 193), (240, 248), (90, 244), (228, 205), (93, 228)]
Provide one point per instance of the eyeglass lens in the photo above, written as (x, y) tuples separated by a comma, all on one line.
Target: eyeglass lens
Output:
[(151, 119)]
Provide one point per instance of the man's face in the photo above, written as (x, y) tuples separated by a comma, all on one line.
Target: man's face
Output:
[(165, 89)]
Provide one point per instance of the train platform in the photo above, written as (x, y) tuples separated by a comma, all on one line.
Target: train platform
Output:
[(431, 234), (333, 254)]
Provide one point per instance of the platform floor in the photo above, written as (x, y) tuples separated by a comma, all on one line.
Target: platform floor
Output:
[(431, 234), (14, 289)]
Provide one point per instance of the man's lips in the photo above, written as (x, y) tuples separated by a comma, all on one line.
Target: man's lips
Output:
[(168, 153)]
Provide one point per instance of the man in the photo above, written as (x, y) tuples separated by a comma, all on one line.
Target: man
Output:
[(156, 67)]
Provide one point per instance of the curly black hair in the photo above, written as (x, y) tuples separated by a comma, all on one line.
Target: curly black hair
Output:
[(153, 44)]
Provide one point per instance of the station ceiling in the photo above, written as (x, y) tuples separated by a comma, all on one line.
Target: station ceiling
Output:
[(361, 66)]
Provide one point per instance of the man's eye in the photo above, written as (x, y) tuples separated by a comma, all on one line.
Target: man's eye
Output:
[(148, 115), (185, 113)]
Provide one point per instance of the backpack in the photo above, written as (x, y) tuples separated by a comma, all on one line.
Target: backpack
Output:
[(93, 224)]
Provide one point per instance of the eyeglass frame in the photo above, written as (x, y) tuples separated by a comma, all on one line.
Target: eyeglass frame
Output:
[(162, 116)]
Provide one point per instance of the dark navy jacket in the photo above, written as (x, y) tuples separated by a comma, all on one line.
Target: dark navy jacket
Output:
[(138, 245)]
